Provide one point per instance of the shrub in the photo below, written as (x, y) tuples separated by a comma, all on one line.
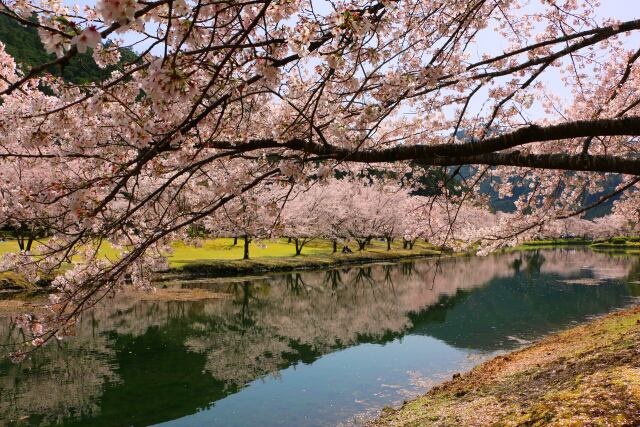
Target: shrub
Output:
[(618, 240)]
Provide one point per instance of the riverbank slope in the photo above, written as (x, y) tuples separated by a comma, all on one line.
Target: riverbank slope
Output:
[(586, 376), (222, 257)]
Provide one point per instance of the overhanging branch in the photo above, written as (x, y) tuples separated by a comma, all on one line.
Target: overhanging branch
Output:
[(487, 152)]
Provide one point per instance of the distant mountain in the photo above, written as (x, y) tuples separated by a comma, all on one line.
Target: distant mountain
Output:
[(506, 204), (23, 43)]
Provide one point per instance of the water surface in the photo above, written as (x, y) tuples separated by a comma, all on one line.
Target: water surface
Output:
[(306, 349)]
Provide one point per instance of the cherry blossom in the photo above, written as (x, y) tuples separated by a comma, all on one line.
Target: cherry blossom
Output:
[(89, 37), (231, 111)]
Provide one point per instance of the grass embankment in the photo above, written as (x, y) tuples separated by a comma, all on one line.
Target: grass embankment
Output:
[(630, 245), (220, 257), (586, 376)]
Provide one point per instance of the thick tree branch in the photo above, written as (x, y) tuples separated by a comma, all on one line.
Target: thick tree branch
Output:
[(486, 152)]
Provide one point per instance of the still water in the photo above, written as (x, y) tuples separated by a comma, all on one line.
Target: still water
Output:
[(306, 349)]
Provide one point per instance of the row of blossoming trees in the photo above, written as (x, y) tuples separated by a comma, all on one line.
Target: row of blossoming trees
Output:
[(228, 100), (346, 211), (338, 210)]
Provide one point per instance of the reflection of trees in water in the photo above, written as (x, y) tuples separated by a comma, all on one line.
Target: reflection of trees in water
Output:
[(270, 323), (341, 307), (572, 261), (333, 279), (63, 379), (295, 283), (534, 263), (407, 268), (516, 264)]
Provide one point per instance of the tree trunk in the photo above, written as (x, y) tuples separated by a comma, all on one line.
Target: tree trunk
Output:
[(29, 242), (404, 244), (411, 244), (299, 246), (246, 247), (388, 243), (361, 244), (235, 240), (335, 246), (289, 240)]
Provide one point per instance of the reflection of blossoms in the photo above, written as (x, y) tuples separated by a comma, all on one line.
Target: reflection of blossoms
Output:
[(237, 359), (324, 311), (71, 375), (267, 325)]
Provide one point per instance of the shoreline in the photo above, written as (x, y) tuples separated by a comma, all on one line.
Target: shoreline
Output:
[(260, 266), (629, 245), (11, 284), (586, 375)]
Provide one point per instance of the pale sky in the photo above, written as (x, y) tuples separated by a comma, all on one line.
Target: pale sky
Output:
[(623, 10)]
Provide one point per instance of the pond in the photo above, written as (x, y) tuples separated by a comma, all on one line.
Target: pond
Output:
[(306, 349)]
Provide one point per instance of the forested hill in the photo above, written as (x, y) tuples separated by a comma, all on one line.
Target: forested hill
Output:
[(23, 43), (506, 204)]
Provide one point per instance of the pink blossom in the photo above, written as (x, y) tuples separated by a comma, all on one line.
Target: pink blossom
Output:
[(90, 37)]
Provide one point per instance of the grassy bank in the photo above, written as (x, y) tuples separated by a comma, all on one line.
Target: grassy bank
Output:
[(586, 376), (629, 245), (221, 257), (218, 268), (280, 256)]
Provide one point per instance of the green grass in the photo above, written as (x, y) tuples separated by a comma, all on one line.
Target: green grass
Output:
[(220, 257), (627, 244), (552, 242), (224, 249)]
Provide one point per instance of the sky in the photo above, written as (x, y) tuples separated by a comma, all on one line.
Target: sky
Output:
[(488, 41)]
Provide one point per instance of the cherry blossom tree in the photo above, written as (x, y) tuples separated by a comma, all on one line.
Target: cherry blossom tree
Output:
[(225, 98), (251, 216), (306, 217)]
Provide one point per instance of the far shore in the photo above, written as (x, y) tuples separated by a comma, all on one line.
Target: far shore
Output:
[(221, 257)]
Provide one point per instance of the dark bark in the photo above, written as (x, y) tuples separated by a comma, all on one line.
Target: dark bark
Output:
[(235, 240), (389, 243), (247, 240), (335, 246), (25, 238), (488, 152)]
